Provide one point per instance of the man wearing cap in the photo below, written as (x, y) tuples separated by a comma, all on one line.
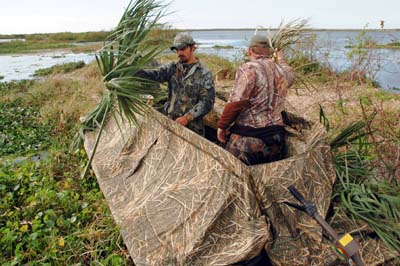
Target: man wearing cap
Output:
[(191, 92), (255, 105)]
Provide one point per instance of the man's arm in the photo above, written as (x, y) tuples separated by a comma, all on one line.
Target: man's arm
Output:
[(245, 81), (287, 70), (162, 74)]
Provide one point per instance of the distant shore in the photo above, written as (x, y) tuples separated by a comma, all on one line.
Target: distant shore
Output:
[(250, 29), (21, 36)]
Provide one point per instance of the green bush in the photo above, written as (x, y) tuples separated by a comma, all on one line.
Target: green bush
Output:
[(304, 64), (61, 68), (49, 217)]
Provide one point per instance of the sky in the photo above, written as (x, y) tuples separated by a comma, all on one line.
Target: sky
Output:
[(47, 16)]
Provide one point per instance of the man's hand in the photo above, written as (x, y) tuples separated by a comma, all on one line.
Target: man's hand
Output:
[(182, 120), (221, 135), (279, 55)]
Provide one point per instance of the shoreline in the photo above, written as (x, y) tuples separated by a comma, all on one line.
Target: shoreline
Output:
[(8, 36), (312, 29)]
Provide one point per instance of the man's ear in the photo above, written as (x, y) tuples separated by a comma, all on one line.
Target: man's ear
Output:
[(193, 48), (249, 51)]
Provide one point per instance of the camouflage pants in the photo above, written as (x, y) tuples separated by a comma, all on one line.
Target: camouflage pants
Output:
[(270, 153)]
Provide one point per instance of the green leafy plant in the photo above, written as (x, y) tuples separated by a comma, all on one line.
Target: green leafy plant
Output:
[(50, 217), (364, 62), (127, 50), (361, 195), (21, 132)]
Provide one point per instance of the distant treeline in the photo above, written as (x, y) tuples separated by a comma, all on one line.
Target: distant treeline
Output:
[(159, 33), (26, 43), (95, 36)]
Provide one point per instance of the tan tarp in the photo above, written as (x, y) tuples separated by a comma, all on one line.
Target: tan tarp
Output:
[(182, 200)]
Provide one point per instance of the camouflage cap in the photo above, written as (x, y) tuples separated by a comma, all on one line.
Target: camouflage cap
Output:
[(259, 40), (181, 40)]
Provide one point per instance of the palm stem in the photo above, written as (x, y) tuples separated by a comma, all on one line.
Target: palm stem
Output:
[(96, 143)]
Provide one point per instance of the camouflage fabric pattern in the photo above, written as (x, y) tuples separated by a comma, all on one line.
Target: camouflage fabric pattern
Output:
[(190, 91), (178, 199), (264, 84), (259, 153)]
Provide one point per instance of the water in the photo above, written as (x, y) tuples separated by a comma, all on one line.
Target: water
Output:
[(11, 40), (16, 67), (384, 64), (329, 48)]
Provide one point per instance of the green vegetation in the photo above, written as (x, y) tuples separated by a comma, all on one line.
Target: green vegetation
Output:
[(63, 40), (22, 132), (48, 214), (304, 65), (373, 45), (391, 45), (62, 68), (51, 217), (358, 192), (30, 46), (221, 67), (88, 41), (19, 86), (12, 36), (95, 36), (1, 77), (98, 36), (223, 47), (128, 49)]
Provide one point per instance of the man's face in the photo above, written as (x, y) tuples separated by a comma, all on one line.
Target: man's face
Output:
[(185, 54)]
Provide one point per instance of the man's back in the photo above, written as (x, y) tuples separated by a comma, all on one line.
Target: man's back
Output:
[(264, 84)]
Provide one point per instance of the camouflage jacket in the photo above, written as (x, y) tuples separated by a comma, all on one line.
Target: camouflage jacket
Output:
[(190, 91), (264, 84)]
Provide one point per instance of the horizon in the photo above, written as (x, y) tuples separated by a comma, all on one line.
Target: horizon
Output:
[(216, 29), (46, 16)]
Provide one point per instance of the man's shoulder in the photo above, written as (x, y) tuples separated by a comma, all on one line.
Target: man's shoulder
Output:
[(203, 70), (170, 65), (248, 66), (255, 65)]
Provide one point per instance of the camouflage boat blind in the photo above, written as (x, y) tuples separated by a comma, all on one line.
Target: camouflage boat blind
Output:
[(180, 199)]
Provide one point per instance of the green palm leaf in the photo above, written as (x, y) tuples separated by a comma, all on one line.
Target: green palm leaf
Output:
[(361, 195), (126, 50)]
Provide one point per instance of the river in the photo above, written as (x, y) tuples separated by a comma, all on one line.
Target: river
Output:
[(329, 48)]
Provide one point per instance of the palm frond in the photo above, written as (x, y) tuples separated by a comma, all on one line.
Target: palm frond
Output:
[(127, 50), (358, 193), (375, 202)]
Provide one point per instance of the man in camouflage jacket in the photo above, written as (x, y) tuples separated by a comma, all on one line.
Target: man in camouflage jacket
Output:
[(255, 105), (191, 92)]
